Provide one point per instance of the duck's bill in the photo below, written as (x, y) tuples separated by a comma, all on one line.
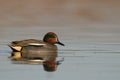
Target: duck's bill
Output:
[(60, 43)]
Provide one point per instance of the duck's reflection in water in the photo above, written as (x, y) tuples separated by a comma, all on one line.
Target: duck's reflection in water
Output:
[(47, 59)]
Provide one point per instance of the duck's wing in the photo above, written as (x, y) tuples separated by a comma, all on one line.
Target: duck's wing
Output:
[(25, 42), (17, 45)]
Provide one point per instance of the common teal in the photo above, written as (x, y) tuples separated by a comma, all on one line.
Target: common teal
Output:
[(47, 44), (34, 51)]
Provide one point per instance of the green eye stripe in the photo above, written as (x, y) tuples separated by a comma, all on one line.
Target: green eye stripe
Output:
[(48, 36)]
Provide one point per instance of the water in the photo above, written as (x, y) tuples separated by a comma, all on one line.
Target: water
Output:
[(91, 53)]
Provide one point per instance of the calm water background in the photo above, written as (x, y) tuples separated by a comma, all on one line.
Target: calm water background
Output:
[(90, 55), (91, 36)]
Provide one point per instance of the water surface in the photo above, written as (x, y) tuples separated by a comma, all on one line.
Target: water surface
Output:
[(89, 54)]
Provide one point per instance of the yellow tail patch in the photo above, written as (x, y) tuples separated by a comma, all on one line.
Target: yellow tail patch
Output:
[(17, 48)]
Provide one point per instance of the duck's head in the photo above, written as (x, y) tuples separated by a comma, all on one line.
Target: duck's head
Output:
[(52, 38)]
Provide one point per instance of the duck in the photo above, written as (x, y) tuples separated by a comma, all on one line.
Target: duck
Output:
[(48, 43)]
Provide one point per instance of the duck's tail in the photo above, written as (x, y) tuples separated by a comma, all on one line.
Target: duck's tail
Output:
[(15, 48)]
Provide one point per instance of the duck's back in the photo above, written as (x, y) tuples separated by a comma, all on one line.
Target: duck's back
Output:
[(25, 42)]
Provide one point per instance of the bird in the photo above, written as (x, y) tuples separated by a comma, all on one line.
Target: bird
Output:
[(36, 49), (48, 43)]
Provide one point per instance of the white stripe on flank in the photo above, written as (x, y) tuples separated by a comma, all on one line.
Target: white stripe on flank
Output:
[(36, 44)]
